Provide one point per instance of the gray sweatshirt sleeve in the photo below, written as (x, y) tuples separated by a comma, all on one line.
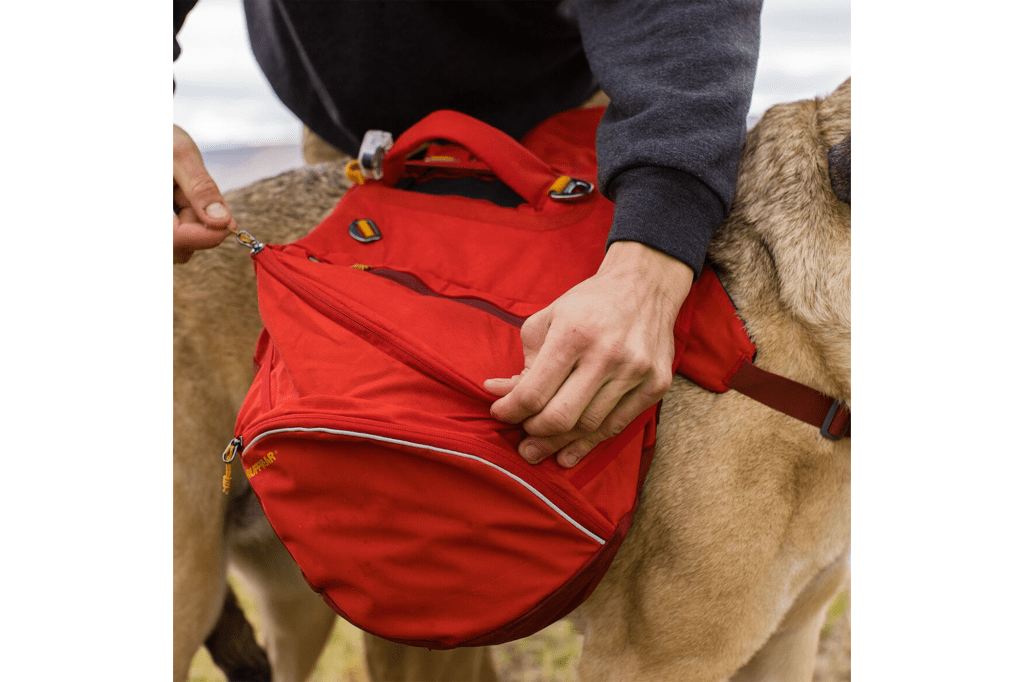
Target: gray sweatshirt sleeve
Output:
[(680, 75)]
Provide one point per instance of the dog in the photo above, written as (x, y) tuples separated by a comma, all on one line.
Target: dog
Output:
[(742, 537)]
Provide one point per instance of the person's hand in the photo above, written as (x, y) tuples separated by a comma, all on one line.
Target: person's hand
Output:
[(201, 218), (596, 357)]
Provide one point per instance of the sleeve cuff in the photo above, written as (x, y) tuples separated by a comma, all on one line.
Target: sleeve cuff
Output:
[(666, 209)]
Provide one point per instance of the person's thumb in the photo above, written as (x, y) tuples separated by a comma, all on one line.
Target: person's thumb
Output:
[(532, 335), (193, 186)]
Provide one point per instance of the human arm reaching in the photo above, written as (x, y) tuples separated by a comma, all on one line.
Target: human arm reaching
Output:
[(201, 217), (680, 78)]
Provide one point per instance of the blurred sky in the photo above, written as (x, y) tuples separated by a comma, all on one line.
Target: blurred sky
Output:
[(223, 100)]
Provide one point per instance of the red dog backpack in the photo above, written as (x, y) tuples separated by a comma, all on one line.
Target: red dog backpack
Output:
[(366, 434)]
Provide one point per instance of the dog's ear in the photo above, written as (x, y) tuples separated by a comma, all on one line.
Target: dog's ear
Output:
[(839, 169)]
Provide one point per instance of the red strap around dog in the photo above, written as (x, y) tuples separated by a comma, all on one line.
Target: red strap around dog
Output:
[(794, 399), (714, 351)]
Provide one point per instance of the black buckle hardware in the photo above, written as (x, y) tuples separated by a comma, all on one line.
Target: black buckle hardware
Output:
[(576, 189), (828, 422)]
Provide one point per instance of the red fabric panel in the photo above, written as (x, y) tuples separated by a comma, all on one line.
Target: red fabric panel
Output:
[(576, 589), (500, 254), (421, 550), (567, 142), (711, 340)]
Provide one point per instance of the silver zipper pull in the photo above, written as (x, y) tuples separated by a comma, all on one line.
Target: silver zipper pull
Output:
[(248, 241), (229, 456)]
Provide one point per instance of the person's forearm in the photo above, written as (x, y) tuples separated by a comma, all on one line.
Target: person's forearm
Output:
[(680, 77)]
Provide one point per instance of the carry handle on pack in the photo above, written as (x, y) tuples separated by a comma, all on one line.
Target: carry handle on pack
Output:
[(513, 164)]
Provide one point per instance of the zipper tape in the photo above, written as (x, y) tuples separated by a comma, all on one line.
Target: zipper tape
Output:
[(420, 446)]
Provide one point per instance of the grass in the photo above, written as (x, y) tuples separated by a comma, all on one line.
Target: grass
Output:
[(836, 610), (548, 656), (341, 661)]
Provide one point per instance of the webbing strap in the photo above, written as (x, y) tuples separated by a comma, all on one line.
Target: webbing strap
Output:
[(513, 164), (792, 398)]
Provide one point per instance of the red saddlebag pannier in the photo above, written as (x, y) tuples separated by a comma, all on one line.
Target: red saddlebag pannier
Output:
[(367, 435)]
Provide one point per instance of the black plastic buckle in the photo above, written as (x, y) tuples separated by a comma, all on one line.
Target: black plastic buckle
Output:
[(576, 189), (828, 422)]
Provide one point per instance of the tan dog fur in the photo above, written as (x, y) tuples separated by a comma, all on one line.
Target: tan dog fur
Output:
[(743, 535), (742, 538)]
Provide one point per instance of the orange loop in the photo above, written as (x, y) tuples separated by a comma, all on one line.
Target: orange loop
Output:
[(560, 184), (353, 173)]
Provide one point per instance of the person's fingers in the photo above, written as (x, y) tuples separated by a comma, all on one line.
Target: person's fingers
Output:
[(536, 450), (182, 254), (536, 387), (539, 446), (519, 402), (501, 387), (191, 235), (618, 406), (597, 357), (197, 188), (581, 404), (562, 411), (628, 409)]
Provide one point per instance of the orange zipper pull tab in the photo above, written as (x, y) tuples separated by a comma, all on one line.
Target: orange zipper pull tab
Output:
[(227, 458)]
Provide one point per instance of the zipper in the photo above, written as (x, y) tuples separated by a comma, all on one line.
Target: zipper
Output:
[(441, 373), (531, 488), (414, 283)]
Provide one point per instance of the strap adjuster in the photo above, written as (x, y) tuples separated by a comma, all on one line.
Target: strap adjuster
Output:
[(829, 418)]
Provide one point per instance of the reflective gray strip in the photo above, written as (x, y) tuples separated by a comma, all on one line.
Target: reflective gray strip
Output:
[(370, 436)]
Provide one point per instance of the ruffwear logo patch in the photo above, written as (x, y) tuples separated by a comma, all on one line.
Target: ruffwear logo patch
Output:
[(364, 230), (261, 464)]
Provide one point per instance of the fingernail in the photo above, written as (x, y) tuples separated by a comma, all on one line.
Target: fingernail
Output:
[(570, 461), (531, 452), (216, 211)]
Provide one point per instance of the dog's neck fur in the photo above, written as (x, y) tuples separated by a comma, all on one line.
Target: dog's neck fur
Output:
[(802, 329)]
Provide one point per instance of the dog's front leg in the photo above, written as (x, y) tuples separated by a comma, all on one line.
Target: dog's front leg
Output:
[(294, 621), (789, 655), (200, 579)]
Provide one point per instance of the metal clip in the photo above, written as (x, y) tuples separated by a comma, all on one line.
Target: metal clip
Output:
[(229, 456), (570, 191), (231, 450), (248, 241), (376, 144)]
